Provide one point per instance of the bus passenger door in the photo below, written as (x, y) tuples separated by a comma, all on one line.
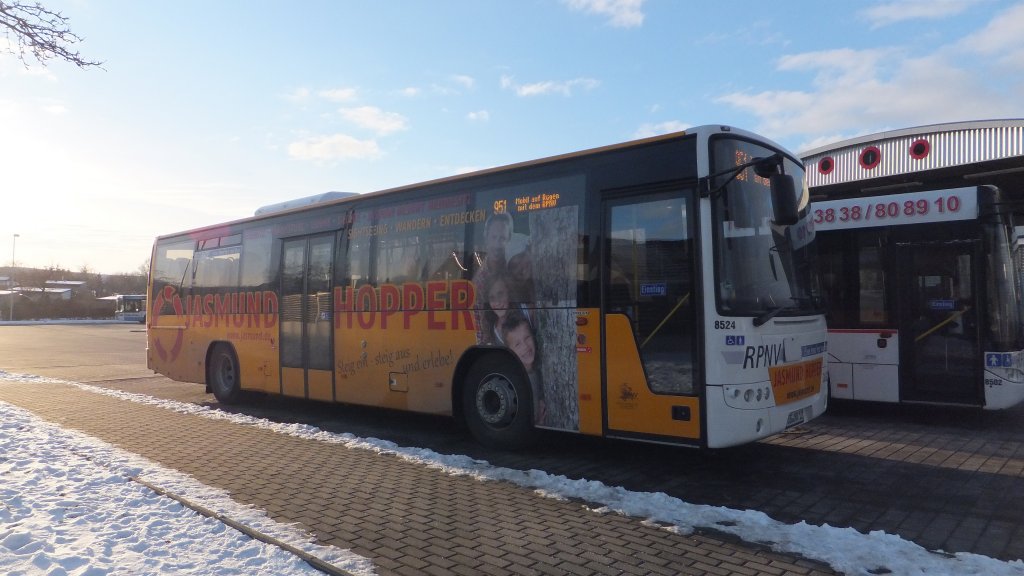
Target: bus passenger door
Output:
[(307, 317), (942, 358), (649, 315)]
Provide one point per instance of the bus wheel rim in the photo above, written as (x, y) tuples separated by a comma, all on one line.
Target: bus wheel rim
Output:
[(227, 375), (496, 401)]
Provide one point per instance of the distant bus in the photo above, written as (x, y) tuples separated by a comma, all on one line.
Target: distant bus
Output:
[(659, 290), (130, 307), (921, 235)]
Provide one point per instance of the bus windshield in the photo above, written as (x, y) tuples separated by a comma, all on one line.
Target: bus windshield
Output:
[(762, 268), (1004, 252)]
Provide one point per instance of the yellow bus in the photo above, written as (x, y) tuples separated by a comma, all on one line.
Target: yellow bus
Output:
[(661, 290)]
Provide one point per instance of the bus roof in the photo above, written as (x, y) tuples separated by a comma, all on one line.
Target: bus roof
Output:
[(447, 179), (306, 201), (349, 197), (899, 158)]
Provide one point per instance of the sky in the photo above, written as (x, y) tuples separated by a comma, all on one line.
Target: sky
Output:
[(70, 509), (204, 111)]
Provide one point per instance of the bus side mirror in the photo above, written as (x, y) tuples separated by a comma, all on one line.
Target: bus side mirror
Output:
[(784, 199)]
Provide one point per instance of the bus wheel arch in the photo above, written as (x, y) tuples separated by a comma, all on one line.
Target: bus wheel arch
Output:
[(495, 400), (223, 374)]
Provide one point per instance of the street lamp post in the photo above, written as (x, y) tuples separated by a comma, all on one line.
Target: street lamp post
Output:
[(10, 293)]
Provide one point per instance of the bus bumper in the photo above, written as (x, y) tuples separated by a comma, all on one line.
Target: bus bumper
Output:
[(735, 426)]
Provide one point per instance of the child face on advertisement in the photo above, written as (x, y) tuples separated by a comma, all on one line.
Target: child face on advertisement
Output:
[(497, 296), (520, 340)]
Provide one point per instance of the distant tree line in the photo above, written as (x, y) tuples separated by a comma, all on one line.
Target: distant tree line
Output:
[(35, 303)]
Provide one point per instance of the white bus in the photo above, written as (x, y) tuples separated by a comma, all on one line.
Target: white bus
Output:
[(920, 236), (130, 307), (659, 290)]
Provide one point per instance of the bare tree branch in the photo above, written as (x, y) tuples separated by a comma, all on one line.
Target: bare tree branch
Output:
[(31, 28)]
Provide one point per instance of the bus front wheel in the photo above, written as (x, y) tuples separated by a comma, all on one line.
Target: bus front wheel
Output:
[(498, 404), (222, 374)]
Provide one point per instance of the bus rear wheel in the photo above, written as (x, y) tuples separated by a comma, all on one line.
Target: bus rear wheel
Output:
[(222, 374), (498, 404)]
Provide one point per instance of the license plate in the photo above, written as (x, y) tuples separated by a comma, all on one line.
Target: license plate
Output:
[(795, 417)]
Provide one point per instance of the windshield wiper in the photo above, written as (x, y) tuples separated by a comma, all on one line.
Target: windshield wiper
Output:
[(183, 274), (767, 315)]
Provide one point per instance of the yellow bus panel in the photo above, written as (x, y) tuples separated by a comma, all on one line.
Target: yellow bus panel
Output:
[(588, 359), (293, 382), (632, 407), (321, 385)]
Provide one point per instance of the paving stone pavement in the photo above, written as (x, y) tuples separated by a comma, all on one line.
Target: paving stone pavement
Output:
[(408, 519), (946, 479)]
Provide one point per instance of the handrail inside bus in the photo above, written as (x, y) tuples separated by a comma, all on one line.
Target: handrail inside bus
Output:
[(662, 323), (952, 317)]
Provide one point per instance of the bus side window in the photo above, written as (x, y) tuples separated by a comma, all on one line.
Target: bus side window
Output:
[(620, 291), (400, 260), (217, 268), (256, 258), (356, 268), (833, 256)]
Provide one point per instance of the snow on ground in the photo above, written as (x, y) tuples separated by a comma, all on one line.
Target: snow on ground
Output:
[(65, 500), (68, 506)]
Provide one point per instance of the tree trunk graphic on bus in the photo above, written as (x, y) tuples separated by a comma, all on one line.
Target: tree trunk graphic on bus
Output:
[(526, 292), (555, 290)]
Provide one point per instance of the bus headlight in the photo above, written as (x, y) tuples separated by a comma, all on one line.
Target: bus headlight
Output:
[(748, 396)]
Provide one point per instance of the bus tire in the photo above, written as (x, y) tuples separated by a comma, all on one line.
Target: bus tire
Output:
[(222, 374), (497, 403)]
